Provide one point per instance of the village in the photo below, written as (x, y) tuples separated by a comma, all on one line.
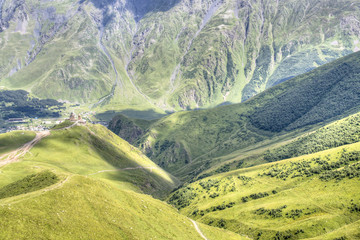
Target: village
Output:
[(36, 124)]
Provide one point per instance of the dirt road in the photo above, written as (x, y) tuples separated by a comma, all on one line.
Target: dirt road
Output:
[(20, 152), (198, 229)]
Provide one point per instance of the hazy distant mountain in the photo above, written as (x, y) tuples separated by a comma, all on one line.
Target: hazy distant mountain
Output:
[(168, 54)]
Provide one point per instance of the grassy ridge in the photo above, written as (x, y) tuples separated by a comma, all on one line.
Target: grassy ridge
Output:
[(309, 196), (110, 212), (94, 176)]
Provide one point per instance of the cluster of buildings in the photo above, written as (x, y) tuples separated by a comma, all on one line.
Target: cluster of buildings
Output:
[(77, 119), (35, 124)]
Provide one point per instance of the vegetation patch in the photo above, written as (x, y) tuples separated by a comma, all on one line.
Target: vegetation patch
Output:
[(220, 207), (334, 135), (29, 184), (271, 213), (328, 170), (19, 104), (254, 196)]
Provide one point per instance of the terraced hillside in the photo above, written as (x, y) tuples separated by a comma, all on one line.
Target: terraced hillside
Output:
[(312, 196), (85, 182), (186, 142), (168, 55)]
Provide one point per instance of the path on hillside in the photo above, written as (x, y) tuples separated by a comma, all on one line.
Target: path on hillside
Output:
[(20, 152), (198, 229)]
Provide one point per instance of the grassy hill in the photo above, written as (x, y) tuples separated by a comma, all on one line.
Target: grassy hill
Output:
[(312, 196), (85, 182), (281, 113)]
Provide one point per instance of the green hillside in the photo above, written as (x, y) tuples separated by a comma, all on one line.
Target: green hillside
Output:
[(12, 140), (85, 182), (342, 132), (281, 113), (311, 196)]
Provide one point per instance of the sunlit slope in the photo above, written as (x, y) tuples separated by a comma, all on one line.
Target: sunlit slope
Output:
[(85, 208), (94, 150), (309, 196), (85, 182), (328, 93), (338, 133)]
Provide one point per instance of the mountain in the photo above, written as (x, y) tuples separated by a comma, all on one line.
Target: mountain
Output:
[(85, 182), (185, 143), (167, 55), (312, 196)]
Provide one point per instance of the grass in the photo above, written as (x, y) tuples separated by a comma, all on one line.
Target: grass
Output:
[(112, 202), (28, 184), (13, 140), (294, 207), (197, 138), (64, 124), (109, 212)]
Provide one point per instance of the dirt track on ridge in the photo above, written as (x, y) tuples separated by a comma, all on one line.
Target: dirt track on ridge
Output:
[(20, 152)]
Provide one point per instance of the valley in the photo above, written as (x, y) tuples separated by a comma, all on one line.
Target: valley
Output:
[(189, 119)]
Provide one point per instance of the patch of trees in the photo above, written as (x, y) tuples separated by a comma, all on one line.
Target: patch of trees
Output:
[(224, 168), (207, 185), (297, 213), (183, 197), (354, 208), (271, 213), (245, 180), (220, 207), (220, 223), (288, 234), (18, 104), (328, 170), (254, 196)]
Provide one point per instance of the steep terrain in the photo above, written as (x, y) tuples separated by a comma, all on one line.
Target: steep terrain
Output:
[(168, 55), (323, 95), (85, 182), (309, 197)]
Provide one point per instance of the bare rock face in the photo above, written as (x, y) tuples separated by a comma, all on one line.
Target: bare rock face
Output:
[(168, 54)]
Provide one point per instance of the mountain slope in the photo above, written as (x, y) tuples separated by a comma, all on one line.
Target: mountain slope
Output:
[(168, 55), (340, 133), (85, 182), (309, 197), (325, 94)]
